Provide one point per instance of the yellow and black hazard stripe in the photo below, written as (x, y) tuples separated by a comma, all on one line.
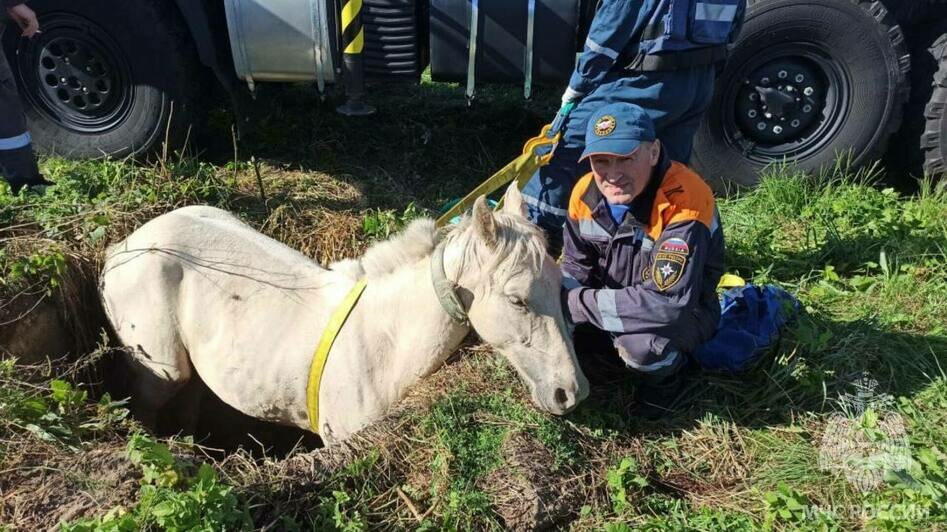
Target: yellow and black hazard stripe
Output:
[(353, 34)]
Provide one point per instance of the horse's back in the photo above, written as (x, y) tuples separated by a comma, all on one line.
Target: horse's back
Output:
[(199, 288)]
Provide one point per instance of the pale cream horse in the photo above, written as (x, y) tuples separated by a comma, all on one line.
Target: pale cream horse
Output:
[(197, 290)]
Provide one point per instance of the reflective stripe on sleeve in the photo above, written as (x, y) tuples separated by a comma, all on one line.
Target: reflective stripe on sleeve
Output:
[(605, 301), (544, 207), (648, 368), (599, 49), (15, 143)]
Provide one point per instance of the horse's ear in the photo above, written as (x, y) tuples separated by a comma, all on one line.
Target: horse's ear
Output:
[(484, 223), (513, 200)]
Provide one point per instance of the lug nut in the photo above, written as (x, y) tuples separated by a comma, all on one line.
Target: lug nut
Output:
[(777, 129), (754, 96), (808, 91), (794, 123), (799, 78), (751, 113), (764, 81), (806, 108), (768, 115), (782, 74), (761, 126)]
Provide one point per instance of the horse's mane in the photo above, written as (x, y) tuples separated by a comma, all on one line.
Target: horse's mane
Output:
[(517, 240), (416, 241)]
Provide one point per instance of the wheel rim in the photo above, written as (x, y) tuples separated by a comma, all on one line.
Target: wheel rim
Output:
[(75, 74), (785, 103)]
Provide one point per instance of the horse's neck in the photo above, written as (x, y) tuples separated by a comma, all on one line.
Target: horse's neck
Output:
[(413, 335)]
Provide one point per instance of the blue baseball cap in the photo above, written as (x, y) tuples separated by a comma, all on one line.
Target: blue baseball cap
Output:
[(617, 129)]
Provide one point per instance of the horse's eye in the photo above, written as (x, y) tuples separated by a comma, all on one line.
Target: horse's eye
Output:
[(517, 302)]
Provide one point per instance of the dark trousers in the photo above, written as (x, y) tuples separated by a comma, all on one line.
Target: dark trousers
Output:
[(17, 162), (602, 357)]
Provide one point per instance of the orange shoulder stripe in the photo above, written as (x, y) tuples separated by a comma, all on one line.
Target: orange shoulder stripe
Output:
[(683, 196), (578, 210)]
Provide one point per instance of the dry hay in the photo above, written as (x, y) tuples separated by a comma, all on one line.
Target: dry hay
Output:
[(322, 234), (49, 485)]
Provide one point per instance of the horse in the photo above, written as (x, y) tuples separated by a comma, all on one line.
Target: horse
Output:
[(198, 292)]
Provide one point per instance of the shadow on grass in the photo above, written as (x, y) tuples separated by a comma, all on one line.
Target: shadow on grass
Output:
[(814, 362), (424, 144)]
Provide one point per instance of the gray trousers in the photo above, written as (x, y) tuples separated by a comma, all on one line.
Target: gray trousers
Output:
[(17, 162)]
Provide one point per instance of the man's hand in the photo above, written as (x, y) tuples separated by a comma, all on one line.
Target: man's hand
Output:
[(569, 99), (25, 18)]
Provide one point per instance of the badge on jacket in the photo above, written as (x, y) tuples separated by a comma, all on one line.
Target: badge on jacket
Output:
[(669, 263)]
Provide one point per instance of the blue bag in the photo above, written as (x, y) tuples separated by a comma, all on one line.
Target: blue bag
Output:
[(750, 319)]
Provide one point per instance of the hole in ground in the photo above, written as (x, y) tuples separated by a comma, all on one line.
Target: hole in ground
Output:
[(34, 328), (220, 426)]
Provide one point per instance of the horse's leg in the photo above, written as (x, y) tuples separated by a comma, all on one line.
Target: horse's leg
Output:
[(182, 411), (154, 383), (140, 299)]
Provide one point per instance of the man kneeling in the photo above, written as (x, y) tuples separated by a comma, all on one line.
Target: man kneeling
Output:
[(642, 256)]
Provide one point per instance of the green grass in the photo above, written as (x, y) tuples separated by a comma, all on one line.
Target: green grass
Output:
[(868, 264)]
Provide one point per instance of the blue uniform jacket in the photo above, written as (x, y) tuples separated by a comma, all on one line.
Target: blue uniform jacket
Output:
[(623, 28), (650, 282)]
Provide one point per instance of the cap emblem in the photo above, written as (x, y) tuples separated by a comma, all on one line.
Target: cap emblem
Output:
[(605, 125)]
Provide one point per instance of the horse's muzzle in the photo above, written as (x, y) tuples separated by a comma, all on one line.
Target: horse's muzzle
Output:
[(563, 400)]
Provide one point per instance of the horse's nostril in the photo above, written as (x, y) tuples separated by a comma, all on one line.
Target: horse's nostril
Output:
[(561, 396)]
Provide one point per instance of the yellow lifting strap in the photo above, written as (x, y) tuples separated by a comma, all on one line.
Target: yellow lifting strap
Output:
[(519, 170), (728, 280), (322, 351)]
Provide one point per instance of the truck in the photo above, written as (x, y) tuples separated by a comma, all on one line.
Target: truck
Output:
[(806, 82)]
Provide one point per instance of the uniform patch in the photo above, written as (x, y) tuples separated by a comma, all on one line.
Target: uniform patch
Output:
[(605, 125), (667, 269), (675, 245)]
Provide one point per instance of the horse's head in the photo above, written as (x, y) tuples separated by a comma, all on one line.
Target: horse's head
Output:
[(513, 293)]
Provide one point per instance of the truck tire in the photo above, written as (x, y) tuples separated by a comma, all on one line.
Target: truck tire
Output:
[(806, 80), (105, 78), (908, 12), (934, 138), (910, 145)]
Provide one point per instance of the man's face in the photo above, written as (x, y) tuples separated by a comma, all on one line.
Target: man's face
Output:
[(621, 178)]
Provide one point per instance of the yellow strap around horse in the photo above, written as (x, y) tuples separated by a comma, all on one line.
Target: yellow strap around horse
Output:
[(322, 351), (519, 170)]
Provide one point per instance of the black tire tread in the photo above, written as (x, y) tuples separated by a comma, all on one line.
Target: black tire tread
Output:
[(933, 143)]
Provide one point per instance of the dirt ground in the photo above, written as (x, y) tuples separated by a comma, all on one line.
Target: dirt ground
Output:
[(45, 487)]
